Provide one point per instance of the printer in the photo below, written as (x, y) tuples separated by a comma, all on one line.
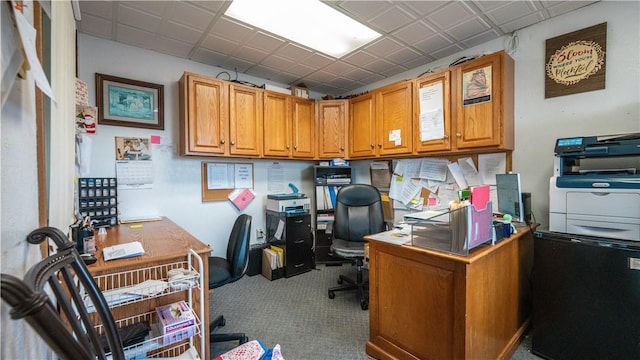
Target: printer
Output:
[(293, 203), (595, 188)]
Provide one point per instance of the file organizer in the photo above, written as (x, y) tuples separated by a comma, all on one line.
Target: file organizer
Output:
[(456, 231), (98, 199)]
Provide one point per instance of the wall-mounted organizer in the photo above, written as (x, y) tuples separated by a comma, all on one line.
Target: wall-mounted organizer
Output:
[(98, 199)]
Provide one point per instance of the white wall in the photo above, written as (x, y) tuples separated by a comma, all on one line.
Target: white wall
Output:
[(539, 121)]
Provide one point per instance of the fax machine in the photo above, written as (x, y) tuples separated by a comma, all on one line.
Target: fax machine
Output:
[(595, 189)]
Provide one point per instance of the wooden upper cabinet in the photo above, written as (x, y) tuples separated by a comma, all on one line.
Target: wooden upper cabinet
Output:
[(331, 128), (432, 112), (303, 128), (277, 125), (245, 120), (394, 119), (204, 115), (362, 129), (483, 110)]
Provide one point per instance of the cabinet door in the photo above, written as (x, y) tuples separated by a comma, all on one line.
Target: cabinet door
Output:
[(432, 109), (203, 115), (277, 128), (245, 120), (362, 130), (303, 128), (331, 128), (394, 119), (481, 110)]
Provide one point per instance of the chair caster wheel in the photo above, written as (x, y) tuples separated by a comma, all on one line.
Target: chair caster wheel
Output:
[(332, 295), (364, 304), (244, 340), (223, 322)]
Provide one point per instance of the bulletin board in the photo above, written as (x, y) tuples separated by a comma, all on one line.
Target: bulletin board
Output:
[(219, 179)]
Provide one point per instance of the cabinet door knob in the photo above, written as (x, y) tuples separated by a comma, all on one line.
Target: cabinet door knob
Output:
[(341, 148), (233, 143), (288, 147), (295, 147), (458, 135), (446, 136), (222, 142), (379, 145), (372, 146)]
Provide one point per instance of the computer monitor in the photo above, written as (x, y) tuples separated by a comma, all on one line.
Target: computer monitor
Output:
[(510, 196)]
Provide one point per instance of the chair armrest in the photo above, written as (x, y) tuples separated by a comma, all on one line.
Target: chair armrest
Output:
[(388, 224), (329, 229)]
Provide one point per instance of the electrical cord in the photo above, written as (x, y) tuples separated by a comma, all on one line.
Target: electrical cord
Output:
[(512, 43)]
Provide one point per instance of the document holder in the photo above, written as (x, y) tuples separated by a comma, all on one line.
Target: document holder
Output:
[(456, 231)]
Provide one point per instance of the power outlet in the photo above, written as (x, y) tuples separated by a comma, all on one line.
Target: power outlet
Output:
[(259, 233)]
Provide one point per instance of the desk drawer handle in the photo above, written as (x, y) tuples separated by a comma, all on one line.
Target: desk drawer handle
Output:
[(298, 241), (298, 221), (298, 265)]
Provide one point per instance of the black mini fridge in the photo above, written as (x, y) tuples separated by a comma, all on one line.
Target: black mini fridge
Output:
[(586, 297)]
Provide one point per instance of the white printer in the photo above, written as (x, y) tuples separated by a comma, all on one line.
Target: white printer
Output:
[(595, 189), (292, 203)]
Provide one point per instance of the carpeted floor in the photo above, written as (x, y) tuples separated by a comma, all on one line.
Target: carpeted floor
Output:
[(296, 313)]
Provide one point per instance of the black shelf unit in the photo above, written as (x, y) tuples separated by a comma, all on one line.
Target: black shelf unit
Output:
[(327, 181), (98, 199)]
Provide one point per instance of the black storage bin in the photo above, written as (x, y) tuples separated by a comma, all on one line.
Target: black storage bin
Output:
[(255, 259)]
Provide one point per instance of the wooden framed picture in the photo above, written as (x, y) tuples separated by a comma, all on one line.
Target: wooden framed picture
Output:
[(132, 103)]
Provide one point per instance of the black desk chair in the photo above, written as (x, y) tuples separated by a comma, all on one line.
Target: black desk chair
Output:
[(358, 212), (67, 328), (226, 270)]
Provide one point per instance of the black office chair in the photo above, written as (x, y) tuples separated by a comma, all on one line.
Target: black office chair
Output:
[(358, 212), (226, 270), (66, 327)]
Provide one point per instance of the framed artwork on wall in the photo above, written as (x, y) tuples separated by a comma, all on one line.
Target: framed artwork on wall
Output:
[(132, 103)]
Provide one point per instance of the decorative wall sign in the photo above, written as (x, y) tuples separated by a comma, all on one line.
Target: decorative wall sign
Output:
[(575, 62), (477, 86)]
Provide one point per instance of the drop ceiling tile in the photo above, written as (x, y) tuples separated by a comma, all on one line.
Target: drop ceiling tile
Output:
[(509, 11), (414, 32), (285, 77), (264, 42), (364, 10), (320, 76), (403, 56), (453, 13), (231, 30), (379, 66), (301, 70), (139, 19), (357, 74), (190, 15), (522, 22), (422, 60), (468, 29), (394, 70), (339, 67), (566, 6), (133, 36), (294, 52), (391, 19), (340, 82), (102, 9), (276, 61), (206, 56), (359, 58), (383, 47), (318, 60), (219, 44), (180, 32), (250, 54), (156, 8), (422, 8), (237, 64), (432, 43), (372, 78), (211, 5), (481, 38), (96, 26), (172, 47), (264, 72), (448, 51)]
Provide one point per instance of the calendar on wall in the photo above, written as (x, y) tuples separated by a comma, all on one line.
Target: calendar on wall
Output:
[(134, 174)]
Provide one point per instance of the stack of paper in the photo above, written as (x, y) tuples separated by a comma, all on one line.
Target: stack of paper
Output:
[(123, 251)]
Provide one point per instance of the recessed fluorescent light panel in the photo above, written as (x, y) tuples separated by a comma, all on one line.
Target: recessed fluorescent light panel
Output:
[(307, 22)]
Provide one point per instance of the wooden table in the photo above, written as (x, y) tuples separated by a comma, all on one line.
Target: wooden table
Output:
[(426, 304), (164, 242)]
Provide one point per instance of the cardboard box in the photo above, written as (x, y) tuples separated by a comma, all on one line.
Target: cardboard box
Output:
[(268, 258), (176, 322)]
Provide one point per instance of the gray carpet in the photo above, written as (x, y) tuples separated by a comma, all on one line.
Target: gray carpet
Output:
[(296, 313)]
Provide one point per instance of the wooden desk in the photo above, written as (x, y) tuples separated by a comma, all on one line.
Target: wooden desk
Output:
[(425, 304), (164, 242)]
